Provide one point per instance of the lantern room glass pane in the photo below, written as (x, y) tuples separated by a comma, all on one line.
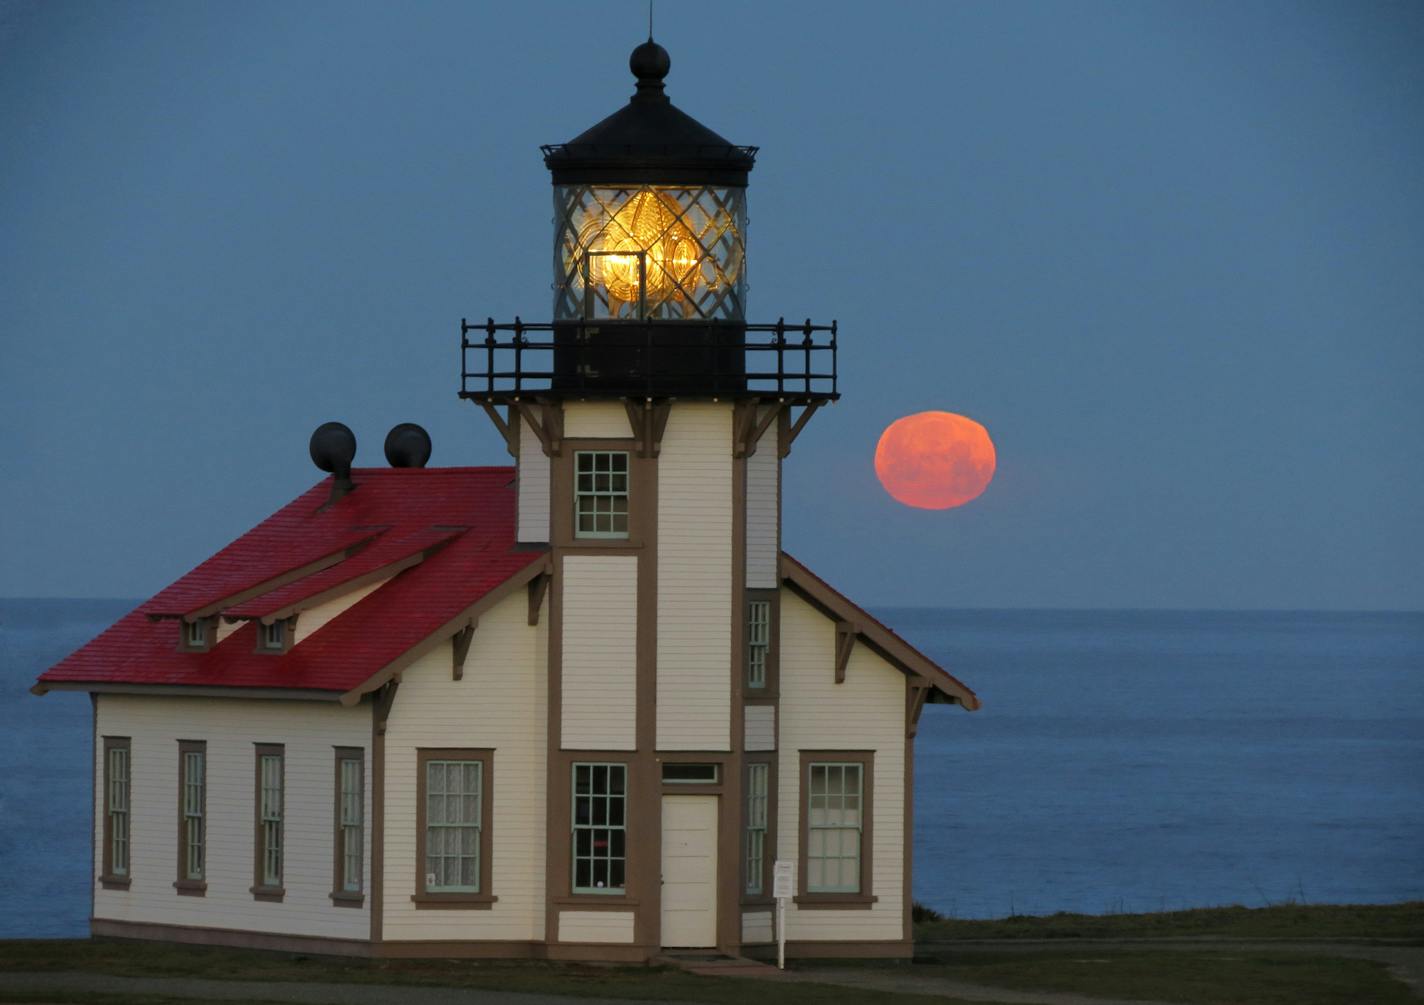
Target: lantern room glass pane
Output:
[(670, 253)]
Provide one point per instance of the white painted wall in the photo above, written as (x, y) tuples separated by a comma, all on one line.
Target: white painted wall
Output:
[(500, 704), (759, 722), (695, 578), (230, 726), (757, 927), (867, 712), (596, 926), (532, 484), (311, 621), (763, 514), (603, 420), (599, 653)]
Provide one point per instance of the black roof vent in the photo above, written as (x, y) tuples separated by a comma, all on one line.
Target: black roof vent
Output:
[(407, 446), (649, 140), (333, 448)]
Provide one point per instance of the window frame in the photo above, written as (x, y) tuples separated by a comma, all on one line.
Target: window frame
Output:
[(261, 889), (768, 761), (575, 827), (626, 495), (285, 631), (205, 627), (771, 686), (340, 874), (185, 884), (484, 898), (836, 899), (108, 877)]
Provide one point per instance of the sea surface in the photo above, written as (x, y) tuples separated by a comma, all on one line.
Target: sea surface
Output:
[(1123, 761)]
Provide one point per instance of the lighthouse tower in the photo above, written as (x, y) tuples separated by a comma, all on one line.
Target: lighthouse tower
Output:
[(648, 420)]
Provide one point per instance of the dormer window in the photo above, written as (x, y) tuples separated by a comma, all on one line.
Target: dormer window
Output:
[(197, 635), (274, 636)]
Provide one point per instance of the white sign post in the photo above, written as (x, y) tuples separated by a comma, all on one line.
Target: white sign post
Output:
[(783, 887)]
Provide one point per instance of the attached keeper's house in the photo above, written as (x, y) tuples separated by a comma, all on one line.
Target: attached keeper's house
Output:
[(573, 708)]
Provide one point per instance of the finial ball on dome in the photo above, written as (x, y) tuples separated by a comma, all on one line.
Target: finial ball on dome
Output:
[(650, 61)]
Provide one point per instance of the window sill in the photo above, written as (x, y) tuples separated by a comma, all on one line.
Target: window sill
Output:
[(757, 900), (597, 901), (345, 898), (453, 901), (114, 882), (272, 894), (191, 887), (834, 901)]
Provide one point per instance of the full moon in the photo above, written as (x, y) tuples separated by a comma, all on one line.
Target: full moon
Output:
[(935, 460)]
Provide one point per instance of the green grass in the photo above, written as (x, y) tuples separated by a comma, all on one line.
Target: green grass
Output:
[(1393, 922), (1192, 978), (146, 959)]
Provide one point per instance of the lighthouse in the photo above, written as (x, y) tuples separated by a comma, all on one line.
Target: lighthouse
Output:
[(580, 707)]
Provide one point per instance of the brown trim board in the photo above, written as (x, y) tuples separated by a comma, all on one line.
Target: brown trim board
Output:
[(484, 898)]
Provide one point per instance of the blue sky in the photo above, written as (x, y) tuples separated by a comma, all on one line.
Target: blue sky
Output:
[(1170, 254)]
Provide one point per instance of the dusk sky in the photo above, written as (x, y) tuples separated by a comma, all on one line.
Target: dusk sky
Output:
[(1171, 255)]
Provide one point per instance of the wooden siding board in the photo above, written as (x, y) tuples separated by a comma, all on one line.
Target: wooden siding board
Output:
[(760, 725), (532, 483), (695, 578), (762, 500), (867, 712), (596, 420), (498, 705), (230, 727), (596, 926), (757, 926), (599, 654)]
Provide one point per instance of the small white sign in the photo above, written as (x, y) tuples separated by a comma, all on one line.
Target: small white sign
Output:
[(783, 879)]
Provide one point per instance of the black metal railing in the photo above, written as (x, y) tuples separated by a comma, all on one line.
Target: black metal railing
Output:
[(651, 358)]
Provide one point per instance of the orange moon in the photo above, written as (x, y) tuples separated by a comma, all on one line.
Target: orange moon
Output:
[(935, 460)]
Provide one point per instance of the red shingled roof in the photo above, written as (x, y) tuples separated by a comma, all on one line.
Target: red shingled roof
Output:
[(401, 512)]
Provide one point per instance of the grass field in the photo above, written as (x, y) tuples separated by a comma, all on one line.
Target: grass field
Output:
[(1393, 922), (1248, 975)]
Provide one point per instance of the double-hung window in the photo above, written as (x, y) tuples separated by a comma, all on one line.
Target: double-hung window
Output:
[(758, 641), (349, 814), (270, 821), (835, 827), (453, 822), (600, 796), (757, 779), (117, 762), (601, 493), (192, 817)]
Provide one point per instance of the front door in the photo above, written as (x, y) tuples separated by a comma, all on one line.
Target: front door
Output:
[(689, 872)]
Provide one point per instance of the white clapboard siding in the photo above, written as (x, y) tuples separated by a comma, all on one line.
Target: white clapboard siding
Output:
[(599, 654), (760, 725), (695, 578), (595, 926), (533, 486), (500, 704), (757, 927), (866, 712), (230, 727), (310, 622), (763, 512), (601, 420)]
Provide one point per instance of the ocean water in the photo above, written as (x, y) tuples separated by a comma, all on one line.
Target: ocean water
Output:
[(1123, 761)]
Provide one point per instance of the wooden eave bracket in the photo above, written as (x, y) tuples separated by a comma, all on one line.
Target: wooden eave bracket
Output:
[(385, 697), (915, 696), (748, 429), (794, 429), (648, 421), (508, 427), (538, 586), (461, 648), (846, 632), (547, 421)]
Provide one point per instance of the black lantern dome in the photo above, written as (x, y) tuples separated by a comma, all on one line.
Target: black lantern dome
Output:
[(650, 139), (649, 269)]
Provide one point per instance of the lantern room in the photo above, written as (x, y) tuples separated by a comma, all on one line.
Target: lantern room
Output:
[(649, 271)]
